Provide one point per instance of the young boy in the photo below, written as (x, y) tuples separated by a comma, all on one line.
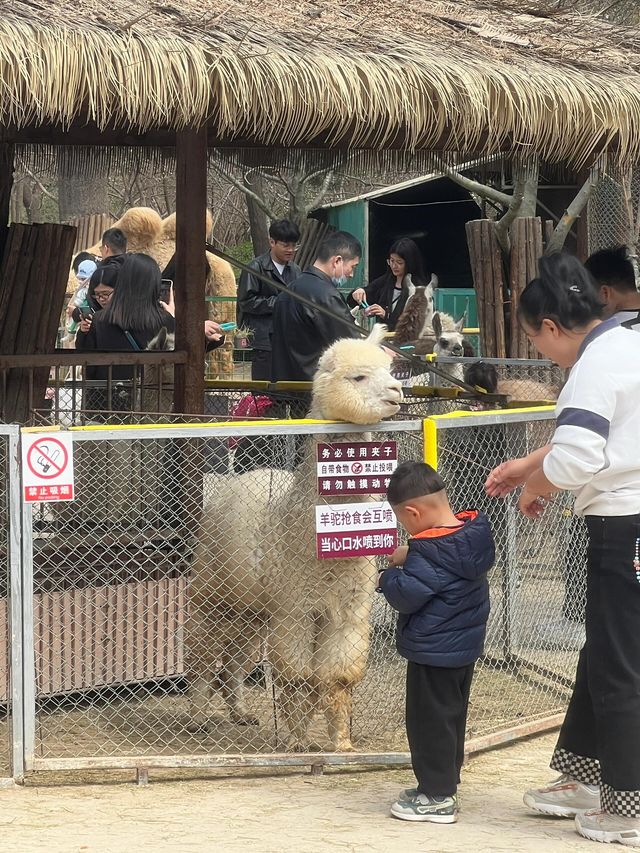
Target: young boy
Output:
[(438, 584)]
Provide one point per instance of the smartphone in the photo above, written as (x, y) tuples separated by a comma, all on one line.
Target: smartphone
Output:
[(165, 289), (86, 313)]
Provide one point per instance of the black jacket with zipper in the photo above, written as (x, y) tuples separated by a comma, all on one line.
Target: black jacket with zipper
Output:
[(301, 334), (256, 298)]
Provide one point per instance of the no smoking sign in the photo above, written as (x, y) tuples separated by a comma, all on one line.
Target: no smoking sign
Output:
[(47, 467)]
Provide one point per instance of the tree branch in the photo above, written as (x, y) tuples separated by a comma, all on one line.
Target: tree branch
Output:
[(504, 223), (40, 185), (322, 192), (245, 189), (572, 212), (482, 190)]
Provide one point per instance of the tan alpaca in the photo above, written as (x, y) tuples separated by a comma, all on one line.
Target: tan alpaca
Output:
[(147, 232), (255, 569)]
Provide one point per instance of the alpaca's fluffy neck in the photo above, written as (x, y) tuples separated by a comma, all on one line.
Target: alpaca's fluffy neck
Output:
[(306, 472)]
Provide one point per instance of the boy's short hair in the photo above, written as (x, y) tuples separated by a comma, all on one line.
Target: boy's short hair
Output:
[(284, 231), (413, 480)]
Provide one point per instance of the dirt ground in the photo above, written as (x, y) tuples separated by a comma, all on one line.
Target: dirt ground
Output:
[(340, 811)]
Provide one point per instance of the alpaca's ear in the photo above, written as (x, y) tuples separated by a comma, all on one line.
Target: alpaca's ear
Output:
[(376, 335), (437, 325), (462, 322), (328, 361)]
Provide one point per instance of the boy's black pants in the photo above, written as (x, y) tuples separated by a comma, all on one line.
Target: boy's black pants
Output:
[(599, 742), (436, 717)]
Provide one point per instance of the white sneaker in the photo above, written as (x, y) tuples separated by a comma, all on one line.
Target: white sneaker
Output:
[(597, 825), (563, 798)]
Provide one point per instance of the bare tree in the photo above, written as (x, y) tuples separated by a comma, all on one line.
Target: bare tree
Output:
[(523, 202)]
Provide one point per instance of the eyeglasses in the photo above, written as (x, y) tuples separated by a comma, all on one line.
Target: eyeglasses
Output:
[(294, 246), (394, 263), (102, 297)]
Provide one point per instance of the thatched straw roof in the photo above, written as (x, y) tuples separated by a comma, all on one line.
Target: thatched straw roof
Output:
[(411, 74)]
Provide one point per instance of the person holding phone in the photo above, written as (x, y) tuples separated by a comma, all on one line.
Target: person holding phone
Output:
[(213, 332), (101, 288)]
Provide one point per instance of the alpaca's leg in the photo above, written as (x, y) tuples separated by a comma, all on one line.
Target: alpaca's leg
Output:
[(241, 654), (200, 665), (337, 708), (298, 701), (292, 637), (339, 664)]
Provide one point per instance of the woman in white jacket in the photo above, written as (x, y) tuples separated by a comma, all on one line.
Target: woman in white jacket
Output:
[(595, 454)]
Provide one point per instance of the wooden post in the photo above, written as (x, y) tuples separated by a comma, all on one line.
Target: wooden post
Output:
[(6, 185), (488, 281), (526, 249), (191, 205)]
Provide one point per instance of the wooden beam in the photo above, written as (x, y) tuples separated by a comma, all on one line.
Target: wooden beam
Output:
[(6, 185), (191, 204)]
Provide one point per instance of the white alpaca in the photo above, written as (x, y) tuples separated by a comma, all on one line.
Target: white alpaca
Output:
[(442, 337), (255, 569)]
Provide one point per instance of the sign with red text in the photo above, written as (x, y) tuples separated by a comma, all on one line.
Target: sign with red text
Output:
[(47, 467), (355, 530), (359, 468)]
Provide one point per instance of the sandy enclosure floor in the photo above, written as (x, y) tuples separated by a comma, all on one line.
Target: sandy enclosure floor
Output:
[(271, 813)]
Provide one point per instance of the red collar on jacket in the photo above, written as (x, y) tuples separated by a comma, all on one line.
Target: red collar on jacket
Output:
[(435, 532)]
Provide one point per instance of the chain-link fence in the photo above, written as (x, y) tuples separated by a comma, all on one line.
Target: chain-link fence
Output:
[(179, 608), (180, 615), (537, 583), (613, 212), (524, 381)]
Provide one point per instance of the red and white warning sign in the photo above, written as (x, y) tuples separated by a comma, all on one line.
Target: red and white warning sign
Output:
[(355, 530), (360, 468), (47, 467)]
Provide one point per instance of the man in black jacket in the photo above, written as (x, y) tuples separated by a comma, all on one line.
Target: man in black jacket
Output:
[(300, 333), (256, 298)]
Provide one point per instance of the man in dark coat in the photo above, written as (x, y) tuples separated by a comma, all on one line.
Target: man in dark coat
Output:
[(256, 298), (301, 333)]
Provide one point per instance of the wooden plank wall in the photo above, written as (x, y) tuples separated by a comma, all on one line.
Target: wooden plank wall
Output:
[(103, 636), (33, 281), (314, 232), (90, 230)]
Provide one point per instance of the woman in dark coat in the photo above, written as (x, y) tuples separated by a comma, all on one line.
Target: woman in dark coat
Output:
[(388, 294), (130, 320), (133, 316)]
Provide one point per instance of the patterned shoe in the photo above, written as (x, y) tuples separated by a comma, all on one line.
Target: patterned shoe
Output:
[(563, 798), (407, 795), (423, 808), (597, 825)]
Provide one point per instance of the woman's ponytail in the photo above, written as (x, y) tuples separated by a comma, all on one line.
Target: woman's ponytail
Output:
[(563, 292)]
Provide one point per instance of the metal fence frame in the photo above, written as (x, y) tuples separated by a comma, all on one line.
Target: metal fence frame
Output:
[(22, 731), (142, 764), (10, 434)]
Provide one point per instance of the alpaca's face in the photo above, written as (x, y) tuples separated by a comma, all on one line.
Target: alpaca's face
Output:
[(353, 384), (428, 311), (449, 344)]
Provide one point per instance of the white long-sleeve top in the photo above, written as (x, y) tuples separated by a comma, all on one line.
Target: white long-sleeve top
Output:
[(595, 449)]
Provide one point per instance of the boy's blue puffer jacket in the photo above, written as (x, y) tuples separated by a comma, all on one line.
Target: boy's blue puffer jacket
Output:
[(442, 593)]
